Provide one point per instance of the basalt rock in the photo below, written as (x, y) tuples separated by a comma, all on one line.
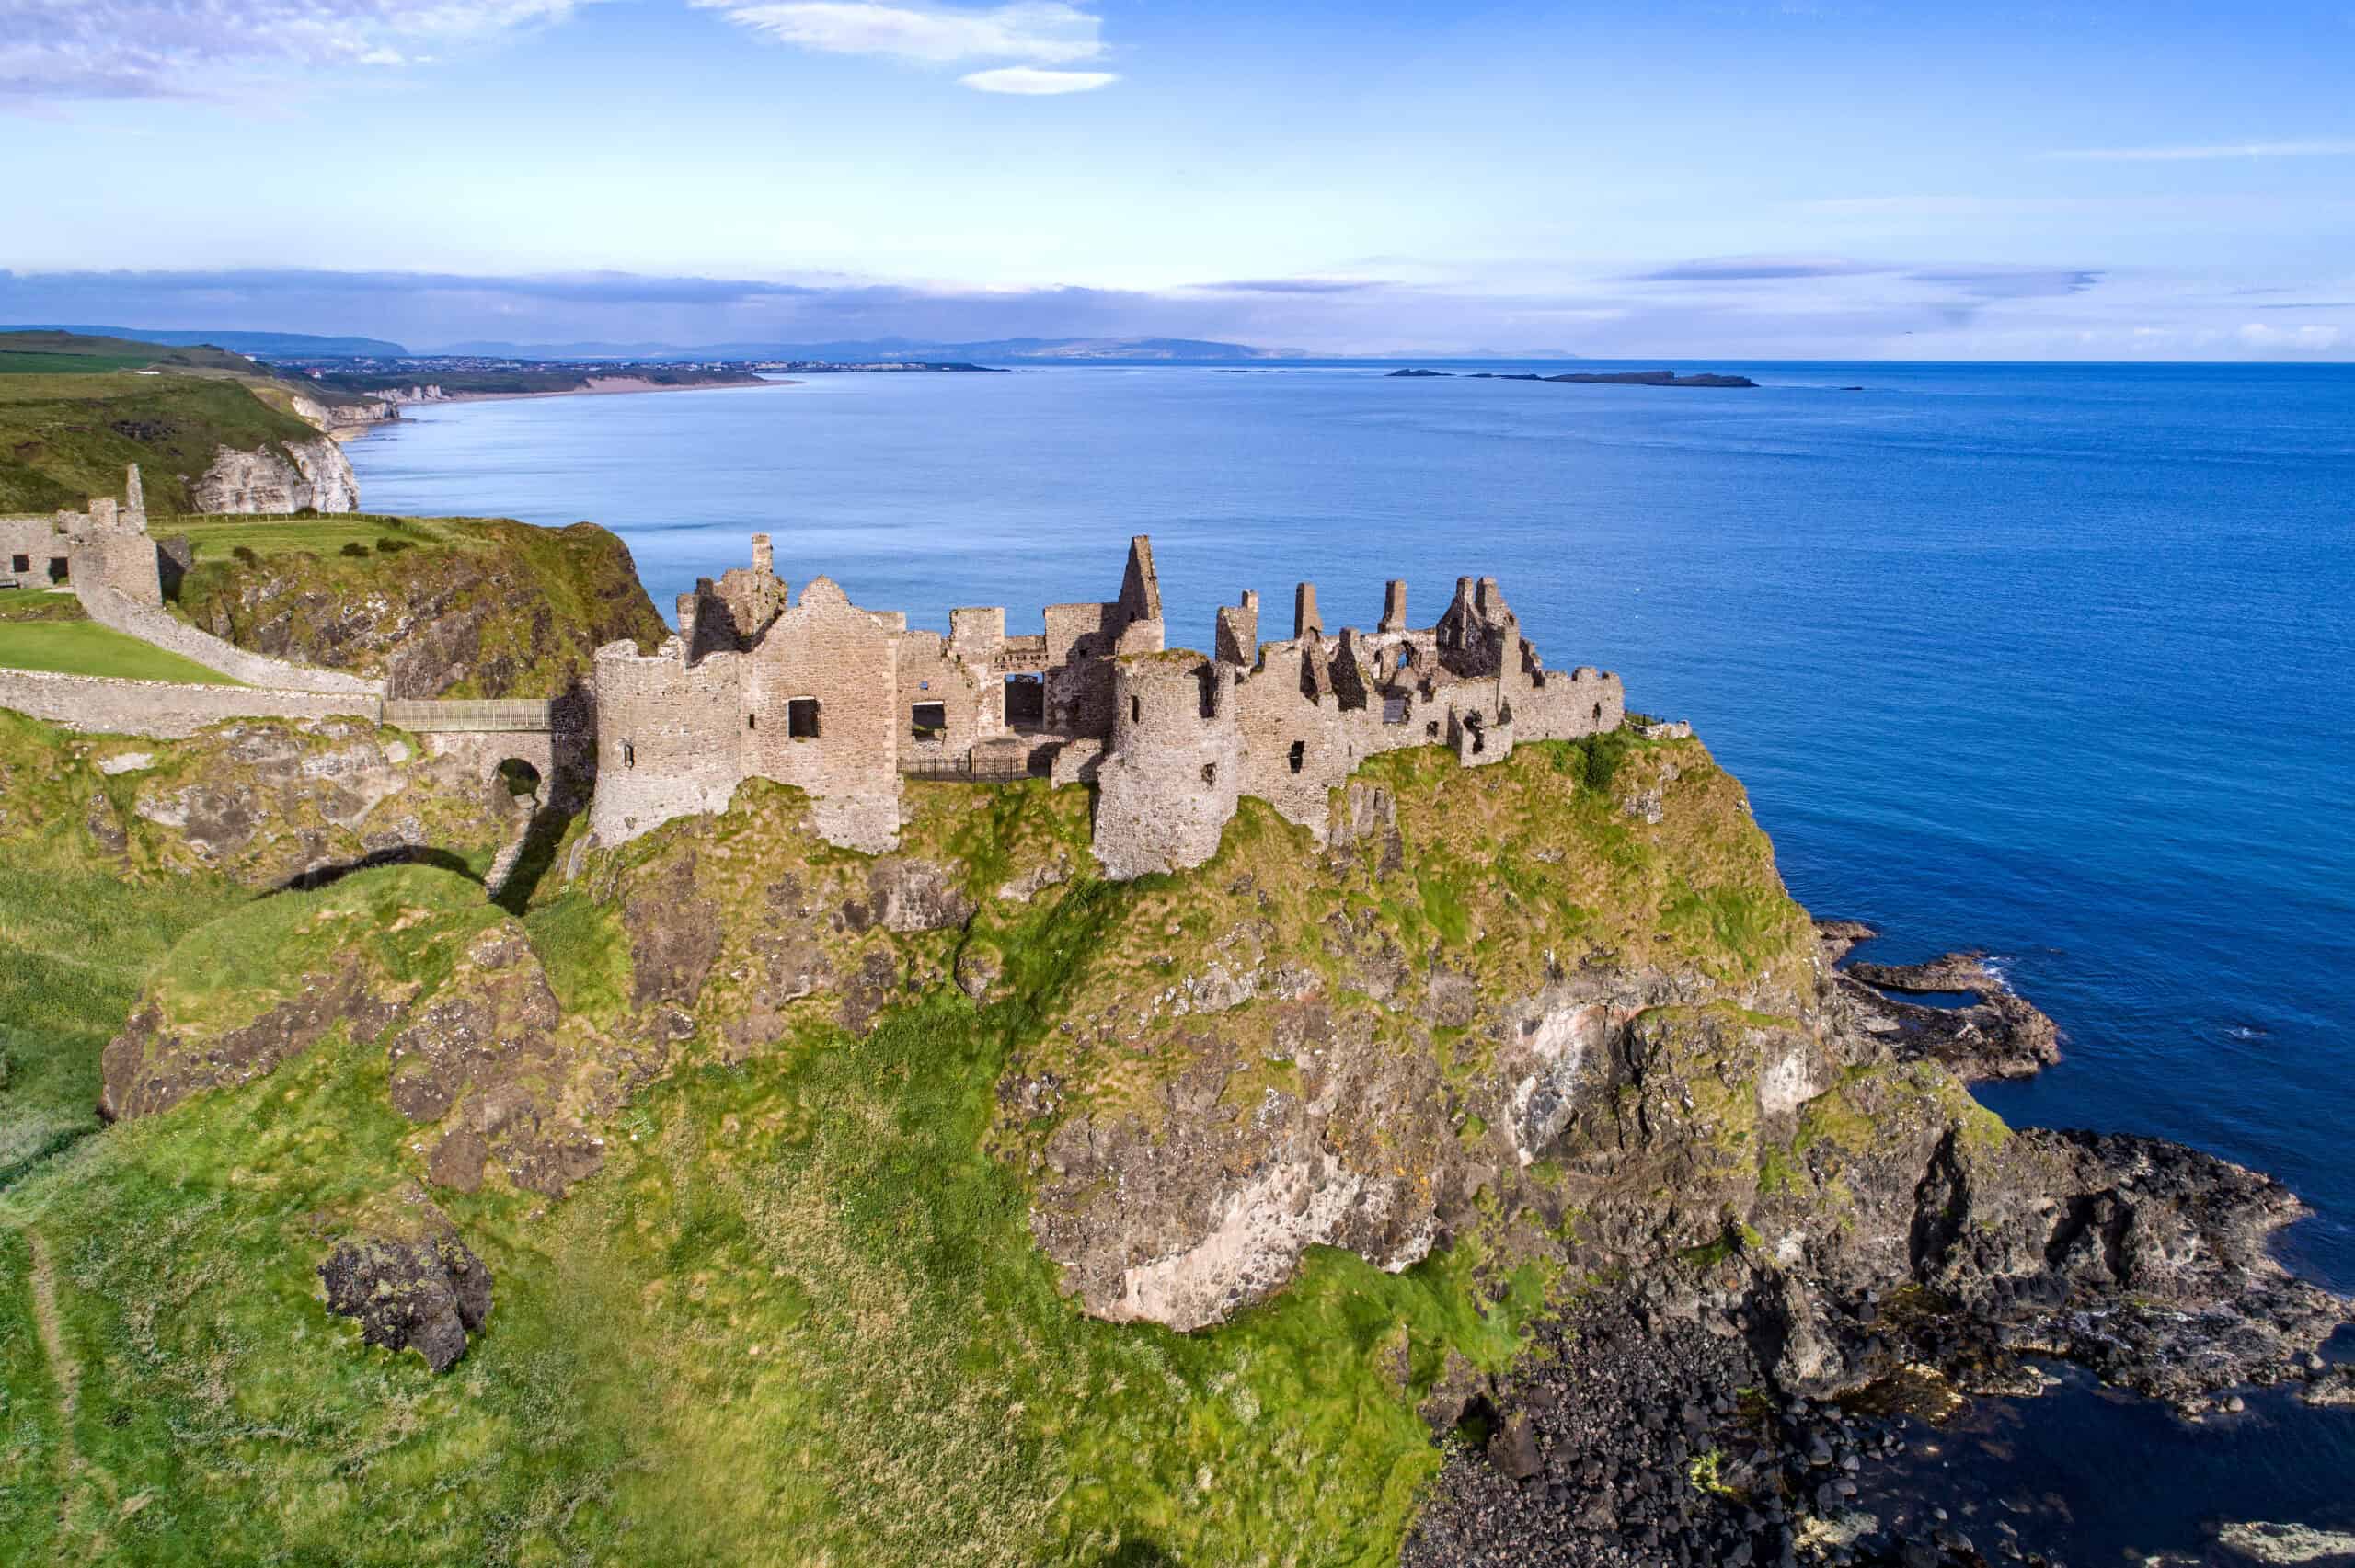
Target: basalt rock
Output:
[(427, 1296)]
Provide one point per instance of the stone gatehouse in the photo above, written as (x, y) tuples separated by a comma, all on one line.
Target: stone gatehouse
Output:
[(845, 703)]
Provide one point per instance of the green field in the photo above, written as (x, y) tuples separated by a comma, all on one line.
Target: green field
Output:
[(85, 648), (270, 535)]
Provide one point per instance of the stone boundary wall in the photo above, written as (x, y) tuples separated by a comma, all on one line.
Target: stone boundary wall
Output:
[(118, 611), (161, 710)]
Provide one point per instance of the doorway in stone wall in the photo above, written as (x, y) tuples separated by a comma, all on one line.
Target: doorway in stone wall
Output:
[(1026, 701)]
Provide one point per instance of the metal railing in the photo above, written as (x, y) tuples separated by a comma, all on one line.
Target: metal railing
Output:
[(967, 770)]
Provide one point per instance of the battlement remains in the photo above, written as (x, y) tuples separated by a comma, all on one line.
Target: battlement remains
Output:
[(845, 702)]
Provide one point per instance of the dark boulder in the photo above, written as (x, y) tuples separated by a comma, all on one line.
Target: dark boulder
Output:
[(427, 1295)]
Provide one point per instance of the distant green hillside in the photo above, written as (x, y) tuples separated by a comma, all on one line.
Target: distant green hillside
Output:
[(75, 353), (65, 436)]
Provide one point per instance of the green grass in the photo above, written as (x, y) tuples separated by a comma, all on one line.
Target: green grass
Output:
[(799, 1318), (85, 648), (40, 604), (64, 437), (281, 534)]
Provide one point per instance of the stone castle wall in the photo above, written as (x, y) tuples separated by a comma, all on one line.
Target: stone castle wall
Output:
[(150, 624), (160, 710), (667, 743)]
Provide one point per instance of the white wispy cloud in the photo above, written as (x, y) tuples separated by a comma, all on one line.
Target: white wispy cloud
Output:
[(1033, 81), (1041, 32), (166, 48), (2321, 147)]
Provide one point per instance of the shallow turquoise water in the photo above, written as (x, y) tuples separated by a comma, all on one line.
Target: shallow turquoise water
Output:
[(2052, 660)]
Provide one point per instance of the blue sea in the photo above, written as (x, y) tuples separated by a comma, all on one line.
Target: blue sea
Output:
[(2050, 661)]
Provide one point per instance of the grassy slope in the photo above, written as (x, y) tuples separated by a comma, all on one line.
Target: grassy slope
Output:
[(64, 437), (798, 1318), (348, 591), (85, 648)]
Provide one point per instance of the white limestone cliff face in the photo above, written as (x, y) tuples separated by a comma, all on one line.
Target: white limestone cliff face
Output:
[(338, 415), (311, 473)]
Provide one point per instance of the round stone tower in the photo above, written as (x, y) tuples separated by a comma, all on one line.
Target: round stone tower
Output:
[(1169, 781)]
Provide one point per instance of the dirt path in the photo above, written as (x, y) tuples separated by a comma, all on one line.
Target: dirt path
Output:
[(63, 1367)]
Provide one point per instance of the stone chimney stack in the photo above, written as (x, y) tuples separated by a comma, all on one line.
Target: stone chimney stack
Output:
[(135, 499), (1394, 606), (1304, 618), (763, 558)]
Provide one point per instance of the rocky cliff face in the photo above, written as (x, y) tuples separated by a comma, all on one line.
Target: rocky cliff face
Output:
[(1557, 1017), (336, 414), (284, 477)]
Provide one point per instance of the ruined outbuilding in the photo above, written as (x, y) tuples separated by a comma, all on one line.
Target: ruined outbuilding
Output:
[(845, 703)]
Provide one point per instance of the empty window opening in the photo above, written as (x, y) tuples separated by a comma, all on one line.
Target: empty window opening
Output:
[(1393, 709), (801, 718), (1406, 656), (1598, 713), (22, 563), (929, 720), (1026, 700), (1210, 772), (1136, 710), (629, 755), (1299, 754), (57, 569), (1430, 730), (752, 721)]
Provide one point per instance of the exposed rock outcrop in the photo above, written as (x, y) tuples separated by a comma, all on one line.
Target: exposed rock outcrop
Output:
[(427, 1296), (286, 478), (485, 608)]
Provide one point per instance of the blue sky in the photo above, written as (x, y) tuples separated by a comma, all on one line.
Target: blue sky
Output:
[(1727, 180)]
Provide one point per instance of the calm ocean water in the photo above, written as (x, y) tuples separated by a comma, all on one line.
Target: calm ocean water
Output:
[(2052, 660)]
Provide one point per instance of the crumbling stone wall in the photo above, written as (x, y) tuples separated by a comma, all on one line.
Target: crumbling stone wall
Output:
[(828, 650)]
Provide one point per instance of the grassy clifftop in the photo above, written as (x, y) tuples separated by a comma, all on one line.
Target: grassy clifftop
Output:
[(64, 437), (470, 607), (790, 1308)]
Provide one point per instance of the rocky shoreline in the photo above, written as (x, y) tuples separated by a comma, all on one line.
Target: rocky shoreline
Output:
[(1731, 1410)]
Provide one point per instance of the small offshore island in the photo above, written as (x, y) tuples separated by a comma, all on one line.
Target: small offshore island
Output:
[(811, 1087)]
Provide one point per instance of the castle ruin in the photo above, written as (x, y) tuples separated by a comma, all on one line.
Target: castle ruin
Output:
[(845, 703)]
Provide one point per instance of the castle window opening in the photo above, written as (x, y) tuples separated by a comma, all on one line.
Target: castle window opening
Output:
[(22, 563), (752, 721), (1026, 700), (927, 720), (1393, 709), (801, 718), (1210, 772), (1299, 754), (629, 755), (1430, 730), (57, 569), (1136, 710), (1406, 656), (1598, 713)]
